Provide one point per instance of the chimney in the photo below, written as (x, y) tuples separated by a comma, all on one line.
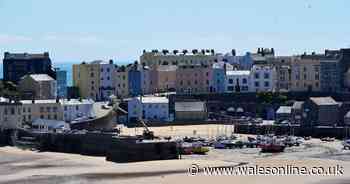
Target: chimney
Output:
[(233, 52), (7, 54)]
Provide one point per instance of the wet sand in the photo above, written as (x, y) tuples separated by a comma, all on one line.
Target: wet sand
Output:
[(21, 166)]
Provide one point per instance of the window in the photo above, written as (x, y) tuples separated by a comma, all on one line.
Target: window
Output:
[(230, 81), (208, 82), (65, 108), (49, 116), (305, 77), (5, 111), (230, 88), (24, 109), (266, 75), (48, 109), (54, 109), (257, 84), (29, 117), (108, 78), (195, 82), (41, 116), (244, 81), (77, 107), (55, 116), (101, 69), (317, 76), (257, 76), (107, 69), (91, 74), (12, 111), (29, 110), (266, 84)]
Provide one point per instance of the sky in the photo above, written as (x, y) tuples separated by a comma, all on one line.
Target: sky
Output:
[(82, 30)]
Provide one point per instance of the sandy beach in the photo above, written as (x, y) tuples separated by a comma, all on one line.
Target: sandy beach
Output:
[(24, 166)]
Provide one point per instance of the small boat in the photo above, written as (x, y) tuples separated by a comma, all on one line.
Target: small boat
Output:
[(328, 139), (272, 145), (272, 148), (346, 144), (219, 145)]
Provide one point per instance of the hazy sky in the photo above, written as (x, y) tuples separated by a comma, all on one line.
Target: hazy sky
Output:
[(121, 29)]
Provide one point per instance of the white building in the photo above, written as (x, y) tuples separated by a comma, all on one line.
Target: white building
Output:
[(263, 78), (238, 81), (10, 114), (151, 108), (107, 87), (75, 108)]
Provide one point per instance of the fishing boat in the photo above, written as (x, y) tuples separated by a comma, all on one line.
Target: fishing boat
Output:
[(272, 145)]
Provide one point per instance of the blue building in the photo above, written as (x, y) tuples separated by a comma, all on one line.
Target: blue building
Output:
[(246, 62), (135, 80), (218, 77), (61, 78)]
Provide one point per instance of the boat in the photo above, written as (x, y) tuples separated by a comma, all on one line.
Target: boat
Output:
[(328, 139), (272, 148), (346, 144), (272, 145)]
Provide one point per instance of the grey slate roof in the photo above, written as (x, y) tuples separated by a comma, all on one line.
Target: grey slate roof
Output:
[(324, 101), (284, 110), (189, 106), (347, 115), (297, 105), (41, 77)]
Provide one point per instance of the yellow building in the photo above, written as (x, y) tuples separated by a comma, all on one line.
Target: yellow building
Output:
[(121, 81), (87, 78), (166, 77), (193, 79), (305, 74), (283, 65), (185, 57)]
